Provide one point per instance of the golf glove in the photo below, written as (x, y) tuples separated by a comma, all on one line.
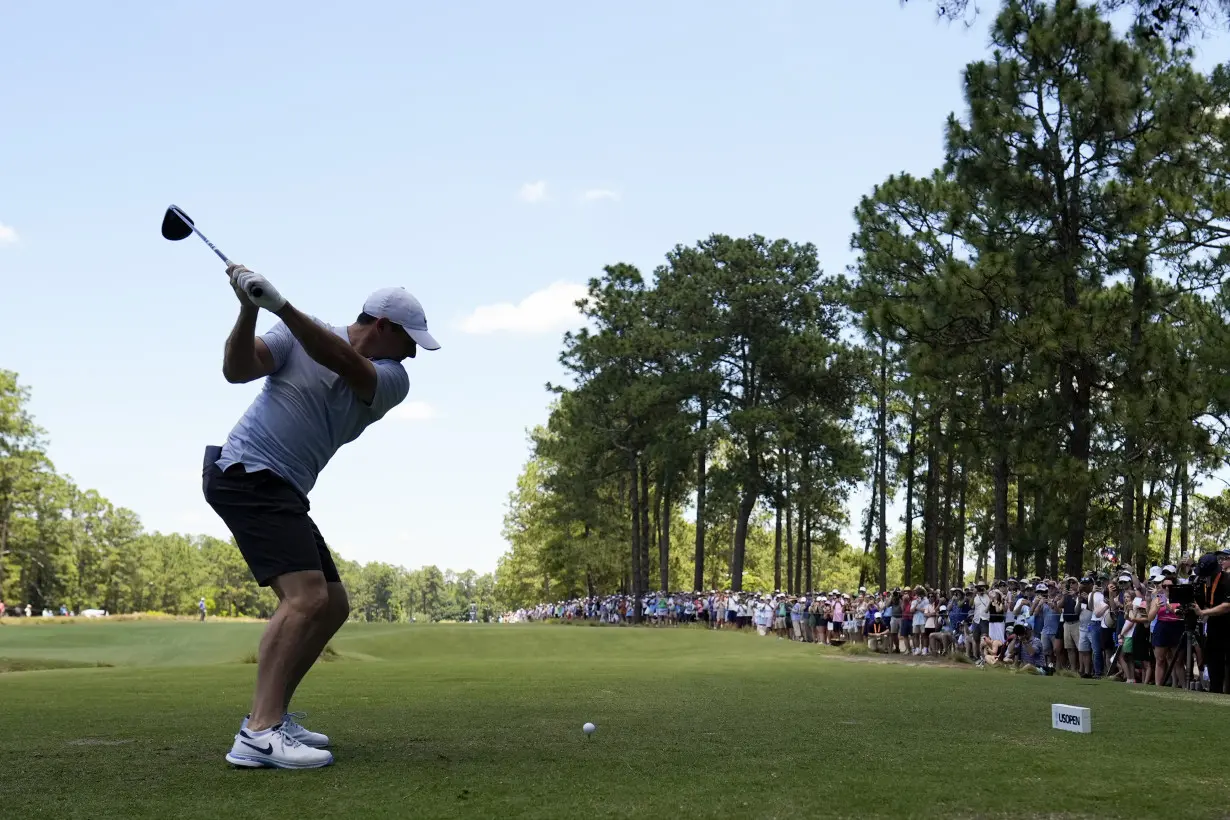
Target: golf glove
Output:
[(247, 281)]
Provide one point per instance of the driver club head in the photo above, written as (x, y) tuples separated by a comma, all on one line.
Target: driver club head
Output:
[(176, 224)]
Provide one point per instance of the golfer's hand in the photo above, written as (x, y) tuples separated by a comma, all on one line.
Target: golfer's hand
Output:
[(239, 294), (246, 281)]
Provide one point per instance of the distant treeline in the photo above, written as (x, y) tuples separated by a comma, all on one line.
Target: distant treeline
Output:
[(61, 545)]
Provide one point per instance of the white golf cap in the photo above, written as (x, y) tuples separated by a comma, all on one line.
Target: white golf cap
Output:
[(399, 306)]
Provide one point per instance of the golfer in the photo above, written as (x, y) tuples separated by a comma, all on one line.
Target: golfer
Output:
[(324, 386)]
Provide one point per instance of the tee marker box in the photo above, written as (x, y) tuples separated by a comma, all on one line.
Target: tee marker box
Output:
[(1071, 718)]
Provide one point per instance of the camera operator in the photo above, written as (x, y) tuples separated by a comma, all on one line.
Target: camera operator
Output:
[(1213, 605), (1024, 649)]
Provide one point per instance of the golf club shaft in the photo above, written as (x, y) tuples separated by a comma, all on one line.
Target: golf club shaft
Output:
[(257, 291)]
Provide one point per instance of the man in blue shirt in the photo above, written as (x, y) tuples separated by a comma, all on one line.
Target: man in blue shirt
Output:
[(324, 386), (1025, 649)]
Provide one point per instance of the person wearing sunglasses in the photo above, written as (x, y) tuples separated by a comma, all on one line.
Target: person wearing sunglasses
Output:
[(1167, 633)]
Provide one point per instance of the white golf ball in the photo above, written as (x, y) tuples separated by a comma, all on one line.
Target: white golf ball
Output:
[(588, 728)]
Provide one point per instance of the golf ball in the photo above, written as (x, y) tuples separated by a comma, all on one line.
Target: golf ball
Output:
[(588, 728)]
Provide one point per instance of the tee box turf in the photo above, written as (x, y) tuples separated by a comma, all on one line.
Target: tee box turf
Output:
[(1071, 718)]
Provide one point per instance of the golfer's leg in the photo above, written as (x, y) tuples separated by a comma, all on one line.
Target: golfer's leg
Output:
[(322, 631), (305, 598)]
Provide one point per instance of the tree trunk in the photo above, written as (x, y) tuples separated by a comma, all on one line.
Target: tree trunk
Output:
[(777, 544), (960, 565), (1000, 472), (931, 504), (701, 458), (657, 524), (1127, 520), (1174, 496), (1039, 530), (1022, 534), (664, 533), (634, 503), (4, 541), (867, 532), (881, 467), (1146, 528), (1183, 519), (909, 495), (807, 542), (1132, 379), (798, 553), (1078, 386), (645, 542), (1144, 506), (792, 575), (946, 555), (789, 553), (746, 504)]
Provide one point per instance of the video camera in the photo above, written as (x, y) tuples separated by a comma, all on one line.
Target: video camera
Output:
[(1182, 594)]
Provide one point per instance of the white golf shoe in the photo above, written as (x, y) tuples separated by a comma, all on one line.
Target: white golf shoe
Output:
[(274, 749), (293, 728)]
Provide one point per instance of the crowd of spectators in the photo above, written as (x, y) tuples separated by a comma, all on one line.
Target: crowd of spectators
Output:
[(1171, 627)]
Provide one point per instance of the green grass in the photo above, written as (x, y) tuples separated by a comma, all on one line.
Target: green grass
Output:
[(39, 664), (485, 721)]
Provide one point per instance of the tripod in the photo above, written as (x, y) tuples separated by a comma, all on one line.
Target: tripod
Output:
[(1186, 643)]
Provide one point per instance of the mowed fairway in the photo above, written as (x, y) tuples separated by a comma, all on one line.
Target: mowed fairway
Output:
[(485, 721)]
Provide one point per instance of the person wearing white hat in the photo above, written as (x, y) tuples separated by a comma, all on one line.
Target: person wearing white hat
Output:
[(324, 385)]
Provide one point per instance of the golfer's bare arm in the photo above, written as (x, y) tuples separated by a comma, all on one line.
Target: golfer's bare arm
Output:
[(333, 352), (246, 357)]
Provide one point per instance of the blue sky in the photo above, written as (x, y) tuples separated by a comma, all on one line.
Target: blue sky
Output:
[(489, 156)]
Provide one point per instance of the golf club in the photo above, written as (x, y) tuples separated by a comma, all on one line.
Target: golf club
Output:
[(177, 225)]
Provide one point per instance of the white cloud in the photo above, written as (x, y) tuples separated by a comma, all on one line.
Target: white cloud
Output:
[(596, 194), (533, 191), (414, 411), (8, 235), (549, 310)]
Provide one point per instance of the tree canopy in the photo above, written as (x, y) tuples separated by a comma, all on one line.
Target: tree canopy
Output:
[(1030, 347)]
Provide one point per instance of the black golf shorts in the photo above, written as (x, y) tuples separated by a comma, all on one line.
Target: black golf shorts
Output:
[(269, 519)]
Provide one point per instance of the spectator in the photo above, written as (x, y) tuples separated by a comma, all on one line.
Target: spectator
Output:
[(919, 620), (1167, 632), (1213, 604), (995, 617), (1026, 650), (982, 610), (1070, 609), (1098, 607)]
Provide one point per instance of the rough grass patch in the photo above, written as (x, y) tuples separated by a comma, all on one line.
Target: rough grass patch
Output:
[(41, 664)]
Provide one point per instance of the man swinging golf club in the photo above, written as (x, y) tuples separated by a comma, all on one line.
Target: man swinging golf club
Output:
[(324, 385)]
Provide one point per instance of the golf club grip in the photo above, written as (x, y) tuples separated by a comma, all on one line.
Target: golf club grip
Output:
[(257, 292)]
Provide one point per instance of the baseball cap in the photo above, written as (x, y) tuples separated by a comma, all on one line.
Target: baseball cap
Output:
[(1040, 588), (1170, 568), (1224, 552), (399, 306)]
